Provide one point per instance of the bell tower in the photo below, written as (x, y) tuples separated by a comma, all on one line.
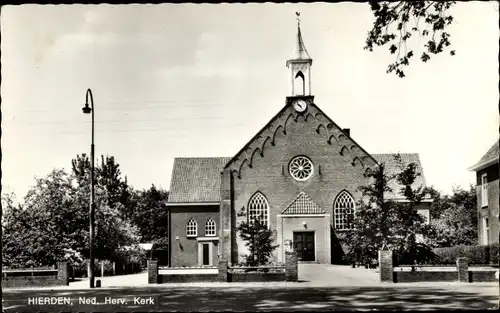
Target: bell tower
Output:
[(300, 66)]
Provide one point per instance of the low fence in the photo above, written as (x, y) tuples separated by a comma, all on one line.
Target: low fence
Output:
[(39, 277), (223, 273), (460, 272)]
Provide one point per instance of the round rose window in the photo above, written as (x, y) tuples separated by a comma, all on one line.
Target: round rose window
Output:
[(301, 168)]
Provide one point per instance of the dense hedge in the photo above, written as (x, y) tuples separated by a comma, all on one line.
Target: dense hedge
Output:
[(474, 254), (449, 255)]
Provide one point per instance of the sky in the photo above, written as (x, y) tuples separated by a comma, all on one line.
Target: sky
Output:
[(178, 80)]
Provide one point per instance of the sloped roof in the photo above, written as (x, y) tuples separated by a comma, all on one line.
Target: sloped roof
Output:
[(488, 159), (392, 168), (196, 180), (303, 204)]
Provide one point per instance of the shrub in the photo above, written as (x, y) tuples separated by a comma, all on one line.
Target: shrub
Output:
[(494, 258), (474, 254), (422, 254)]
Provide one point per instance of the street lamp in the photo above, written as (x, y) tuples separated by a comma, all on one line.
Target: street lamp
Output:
[(88, 110)]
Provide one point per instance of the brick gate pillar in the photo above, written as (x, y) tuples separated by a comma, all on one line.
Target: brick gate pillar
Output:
[(291, 266), (385, 266), (223, 271), (63, 273), (462, 270), (152, 271)]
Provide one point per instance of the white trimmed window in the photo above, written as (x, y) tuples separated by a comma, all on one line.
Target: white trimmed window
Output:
[(343, 209), (484, 190), (258, 207), (486, 230), (191, 228), (210, 227)]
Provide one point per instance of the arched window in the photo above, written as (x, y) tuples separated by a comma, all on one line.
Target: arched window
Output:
[(210, 227), (191, 228), (258, 208), (343, 210)]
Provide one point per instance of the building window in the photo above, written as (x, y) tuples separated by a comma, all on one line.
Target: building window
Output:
[(301, 168), (258, 208), (486, 231), (210, 227), (343, 208), (191, 228), (484, 190)]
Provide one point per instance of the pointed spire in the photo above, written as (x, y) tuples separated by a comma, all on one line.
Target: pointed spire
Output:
[(301, 49)]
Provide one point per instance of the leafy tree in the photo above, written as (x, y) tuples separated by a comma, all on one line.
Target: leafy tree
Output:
[(396, 22), (379, 221), (259, 241), (411, 223), (46, 227), (113, 228), (150, 214), (53, 223), (457, 222)]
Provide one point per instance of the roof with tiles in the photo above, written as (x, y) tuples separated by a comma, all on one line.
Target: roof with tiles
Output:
[(489, 158), (196, 180), (303, 204)]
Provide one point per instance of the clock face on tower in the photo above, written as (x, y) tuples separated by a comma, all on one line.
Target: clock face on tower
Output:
[(300, 105)]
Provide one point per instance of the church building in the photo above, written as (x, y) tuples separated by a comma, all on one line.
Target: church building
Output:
[(300, 173)]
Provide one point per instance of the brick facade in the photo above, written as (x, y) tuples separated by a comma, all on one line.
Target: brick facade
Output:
[(262, 166), (490, 211), (184, 250), (267, 168)]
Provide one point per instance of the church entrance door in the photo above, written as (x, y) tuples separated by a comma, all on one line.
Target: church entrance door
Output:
[(304, 245)]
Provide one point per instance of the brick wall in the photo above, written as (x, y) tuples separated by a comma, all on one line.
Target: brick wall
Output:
[(23, 278), (269, 173), (184, 252), (256, 277), (482, 276), (410, 277), (187, 278)]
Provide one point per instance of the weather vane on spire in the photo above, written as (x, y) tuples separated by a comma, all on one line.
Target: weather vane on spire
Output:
[(298, 18)]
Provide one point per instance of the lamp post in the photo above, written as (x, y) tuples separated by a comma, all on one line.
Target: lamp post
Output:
[(88, 110)]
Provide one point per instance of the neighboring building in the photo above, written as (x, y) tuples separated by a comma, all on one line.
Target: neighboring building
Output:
[(300, 172), (487, 190)]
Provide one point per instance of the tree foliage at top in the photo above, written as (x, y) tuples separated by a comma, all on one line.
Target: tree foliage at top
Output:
[(150, 214), (53, 222), (48, 227), (259, 241), (396, 22), (454, 218), (382, 222)]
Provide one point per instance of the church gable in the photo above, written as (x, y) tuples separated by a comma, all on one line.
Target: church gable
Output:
[(321, 125), (303, 204)]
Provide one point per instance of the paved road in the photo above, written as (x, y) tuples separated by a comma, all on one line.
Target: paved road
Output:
[(255, 297), (326, 275)]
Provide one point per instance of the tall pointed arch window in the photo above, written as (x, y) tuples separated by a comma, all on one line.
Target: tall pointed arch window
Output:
[(258, 207), (210, 227), (191, 228), (343, 210)]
